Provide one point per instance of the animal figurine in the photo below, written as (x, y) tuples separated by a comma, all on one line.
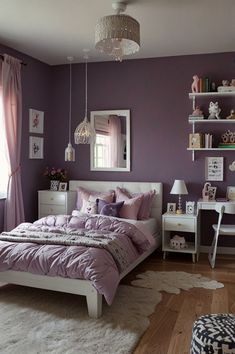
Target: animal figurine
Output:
[(214, 110), (177, 242), (225, 82), (195, 84), (197, 112), (232, 83)]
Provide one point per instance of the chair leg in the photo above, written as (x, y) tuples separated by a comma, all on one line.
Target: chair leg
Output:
[(213, 250)]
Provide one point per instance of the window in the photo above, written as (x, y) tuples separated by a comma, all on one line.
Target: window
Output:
[(101, 151), (3, 156)]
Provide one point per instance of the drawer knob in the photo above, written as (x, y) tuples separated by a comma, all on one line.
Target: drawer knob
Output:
[(52, 198), (178, 224), (51, 210)]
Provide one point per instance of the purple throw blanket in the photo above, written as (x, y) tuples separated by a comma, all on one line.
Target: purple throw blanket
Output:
[(56, 246)]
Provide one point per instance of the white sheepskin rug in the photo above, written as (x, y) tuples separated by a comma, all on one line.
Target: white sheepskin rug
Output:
[(34, 321)]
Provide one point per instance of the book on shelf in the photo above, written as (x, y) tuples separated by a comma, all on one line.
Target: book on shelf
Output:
[(227, 145), (192, 117), (204, 84)]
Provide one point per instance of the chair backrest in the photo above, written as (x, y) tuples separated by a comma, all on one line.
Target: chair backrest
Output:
[(225, 208)]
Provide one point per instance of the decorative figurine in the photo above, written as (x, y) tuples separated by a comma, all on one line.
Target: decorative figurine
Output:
[(232, 114), (197, 112), (195, 84), (214, 110), (205, 192), (225, 82), (177, 242), (228, 137), (232, 83)]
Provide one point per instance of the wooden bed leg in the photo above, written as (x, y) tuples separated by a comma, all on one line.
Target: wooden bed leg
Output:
[(94, 304)]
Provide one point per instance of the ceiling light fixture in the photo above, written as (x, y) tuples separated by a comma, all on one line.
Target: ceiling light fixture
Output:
[(69, 151), (117, 35), (84, 133)]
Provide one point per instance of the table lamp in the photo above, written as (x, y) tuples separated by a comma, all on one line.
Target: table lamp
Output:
[(180, 188)]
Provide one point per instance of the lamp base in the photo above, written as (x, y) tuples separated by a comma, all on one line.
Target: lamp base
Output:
[(179, 211)]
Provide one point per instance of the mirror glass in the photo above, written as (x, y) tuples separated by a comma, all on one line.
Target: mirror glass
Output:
[(111, 150)]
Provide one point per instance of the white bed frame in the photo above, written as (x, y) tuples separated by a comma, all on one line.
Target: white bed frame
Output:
[(84, 287)]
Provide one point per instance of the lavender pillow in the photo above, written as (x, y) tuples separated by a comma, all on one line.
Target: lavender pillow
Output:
[(86, 194), (147, 201), (109, 209)]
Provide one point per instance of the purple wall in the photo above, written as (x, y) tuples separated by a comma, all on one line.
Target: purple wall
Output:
[(36, 89), (156, 92)]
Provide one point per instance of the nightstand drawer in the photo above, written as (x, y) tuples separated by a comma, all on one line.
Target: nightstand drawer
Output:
[(179, 224), (57, 198), (51, 209)]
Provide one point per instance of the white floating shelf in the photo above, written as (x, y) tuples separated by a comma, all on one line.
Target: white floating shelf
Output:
[(212, 149), (220, 121), (211, 94)]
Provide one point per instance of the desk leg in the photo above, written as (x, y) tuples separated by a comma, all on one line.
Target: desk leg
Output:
[(164, 255), (193, 257)]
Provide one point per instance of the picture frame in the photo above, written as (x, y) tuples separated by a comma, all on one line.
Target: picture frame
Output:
[(36, 147), (214, 168), (36, 121), (195, 141), (171, 208), (63, 186), (231, 193), (190, 207), (212, 192)]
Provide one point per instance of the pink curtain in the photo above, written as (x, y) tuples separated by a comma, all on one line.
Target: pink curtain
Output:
[(12, 110), (115, 140)]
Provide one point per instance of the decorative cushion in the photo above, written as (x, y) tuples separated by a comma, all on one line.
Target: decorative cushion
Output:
[(89, 207), (214, 334), (85, 194), (109, 209), (147, 201), (130, 208)]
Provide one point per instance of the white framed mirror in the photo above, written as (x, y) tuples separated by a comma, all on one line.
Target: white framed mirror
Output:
[(111, 149)]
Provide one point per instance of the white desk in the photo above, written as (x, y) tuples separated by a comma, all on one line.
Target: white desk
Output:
[(202, 205)]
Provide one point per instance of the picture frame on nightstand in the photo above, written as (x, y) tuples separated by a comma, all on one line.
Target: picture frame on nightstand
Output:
[(171, 208), (190, 208)]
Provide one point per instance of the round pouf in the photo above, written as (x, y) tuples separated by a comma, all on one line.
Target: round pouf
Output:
[(214, 334)]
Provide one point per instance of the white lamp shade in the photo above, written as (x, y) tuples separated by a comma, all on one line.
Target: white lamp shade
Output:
[(179, 187)]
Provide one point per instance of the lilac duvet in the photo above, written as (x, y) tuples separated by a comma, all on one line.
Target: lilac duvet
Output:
[(95, 248)]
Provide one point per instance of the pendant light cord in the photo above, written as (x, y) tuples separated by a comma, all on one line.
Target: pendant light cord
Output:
[(70, 99), (86, 91)]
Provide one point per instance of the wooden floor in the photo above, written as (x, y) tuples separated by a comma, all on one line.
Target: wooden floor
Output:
[(171, 323)]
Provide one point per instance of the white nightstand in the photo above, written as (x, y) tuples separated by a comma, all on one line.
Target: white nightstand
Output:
[(55, 203), (180, 223)]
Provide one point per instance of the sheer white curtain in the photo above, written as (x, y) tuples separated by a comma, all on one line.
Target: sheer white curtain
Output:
[(115, 141)]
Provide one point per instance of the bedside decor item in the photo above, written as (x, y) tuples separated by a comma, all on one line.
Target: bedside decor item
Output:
[(231, 193), (195, 84), (214, 111), (177, 242), (117, 35), (85, 132), (171, 208), (55, 175), (190, 207), (214, 169), (36, 120), (69, 151), (205, 192), (179, 188), (212, 192), (35, 147), (196, 140), (63, 186)]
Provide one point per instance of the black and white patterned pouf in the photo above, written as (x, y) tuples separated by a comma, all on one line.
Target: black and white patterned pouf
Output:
[(214, 334)]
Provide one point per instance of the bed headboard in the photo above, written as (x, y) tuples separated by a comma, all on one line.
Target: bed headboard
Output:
[(133, 187)]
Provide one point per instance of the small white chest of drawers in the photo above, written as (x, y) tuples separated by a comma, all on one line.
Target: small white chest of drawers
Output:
[(55, 203), (183, 223)]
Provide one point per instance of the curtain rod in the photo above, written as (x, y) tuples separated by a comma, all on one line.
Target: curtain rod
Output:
[(22, 63)]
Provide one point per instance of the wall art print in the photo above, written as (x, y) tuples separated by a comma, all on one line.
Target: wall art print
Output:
[(36, 121), (35, 147)]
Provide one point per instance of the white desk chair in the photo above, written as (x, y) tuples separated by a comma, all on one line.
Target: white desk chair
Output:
[(220, 229)]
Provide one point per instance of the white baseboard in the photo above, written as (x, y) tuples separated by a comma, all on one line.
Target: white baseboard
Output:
[(220, 250)]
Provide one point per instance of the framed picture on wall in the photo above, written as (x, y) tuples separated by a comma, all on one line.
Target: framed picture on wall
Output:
[(36, 121), (214, 168), (35, 147)]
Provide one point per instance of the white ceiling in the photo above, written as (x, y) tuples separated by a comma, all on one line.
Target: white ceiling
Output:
[(51, 30)]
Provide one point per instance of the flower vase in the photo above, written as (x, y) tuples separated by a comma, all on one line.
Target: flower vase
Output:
[(54, 185)]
